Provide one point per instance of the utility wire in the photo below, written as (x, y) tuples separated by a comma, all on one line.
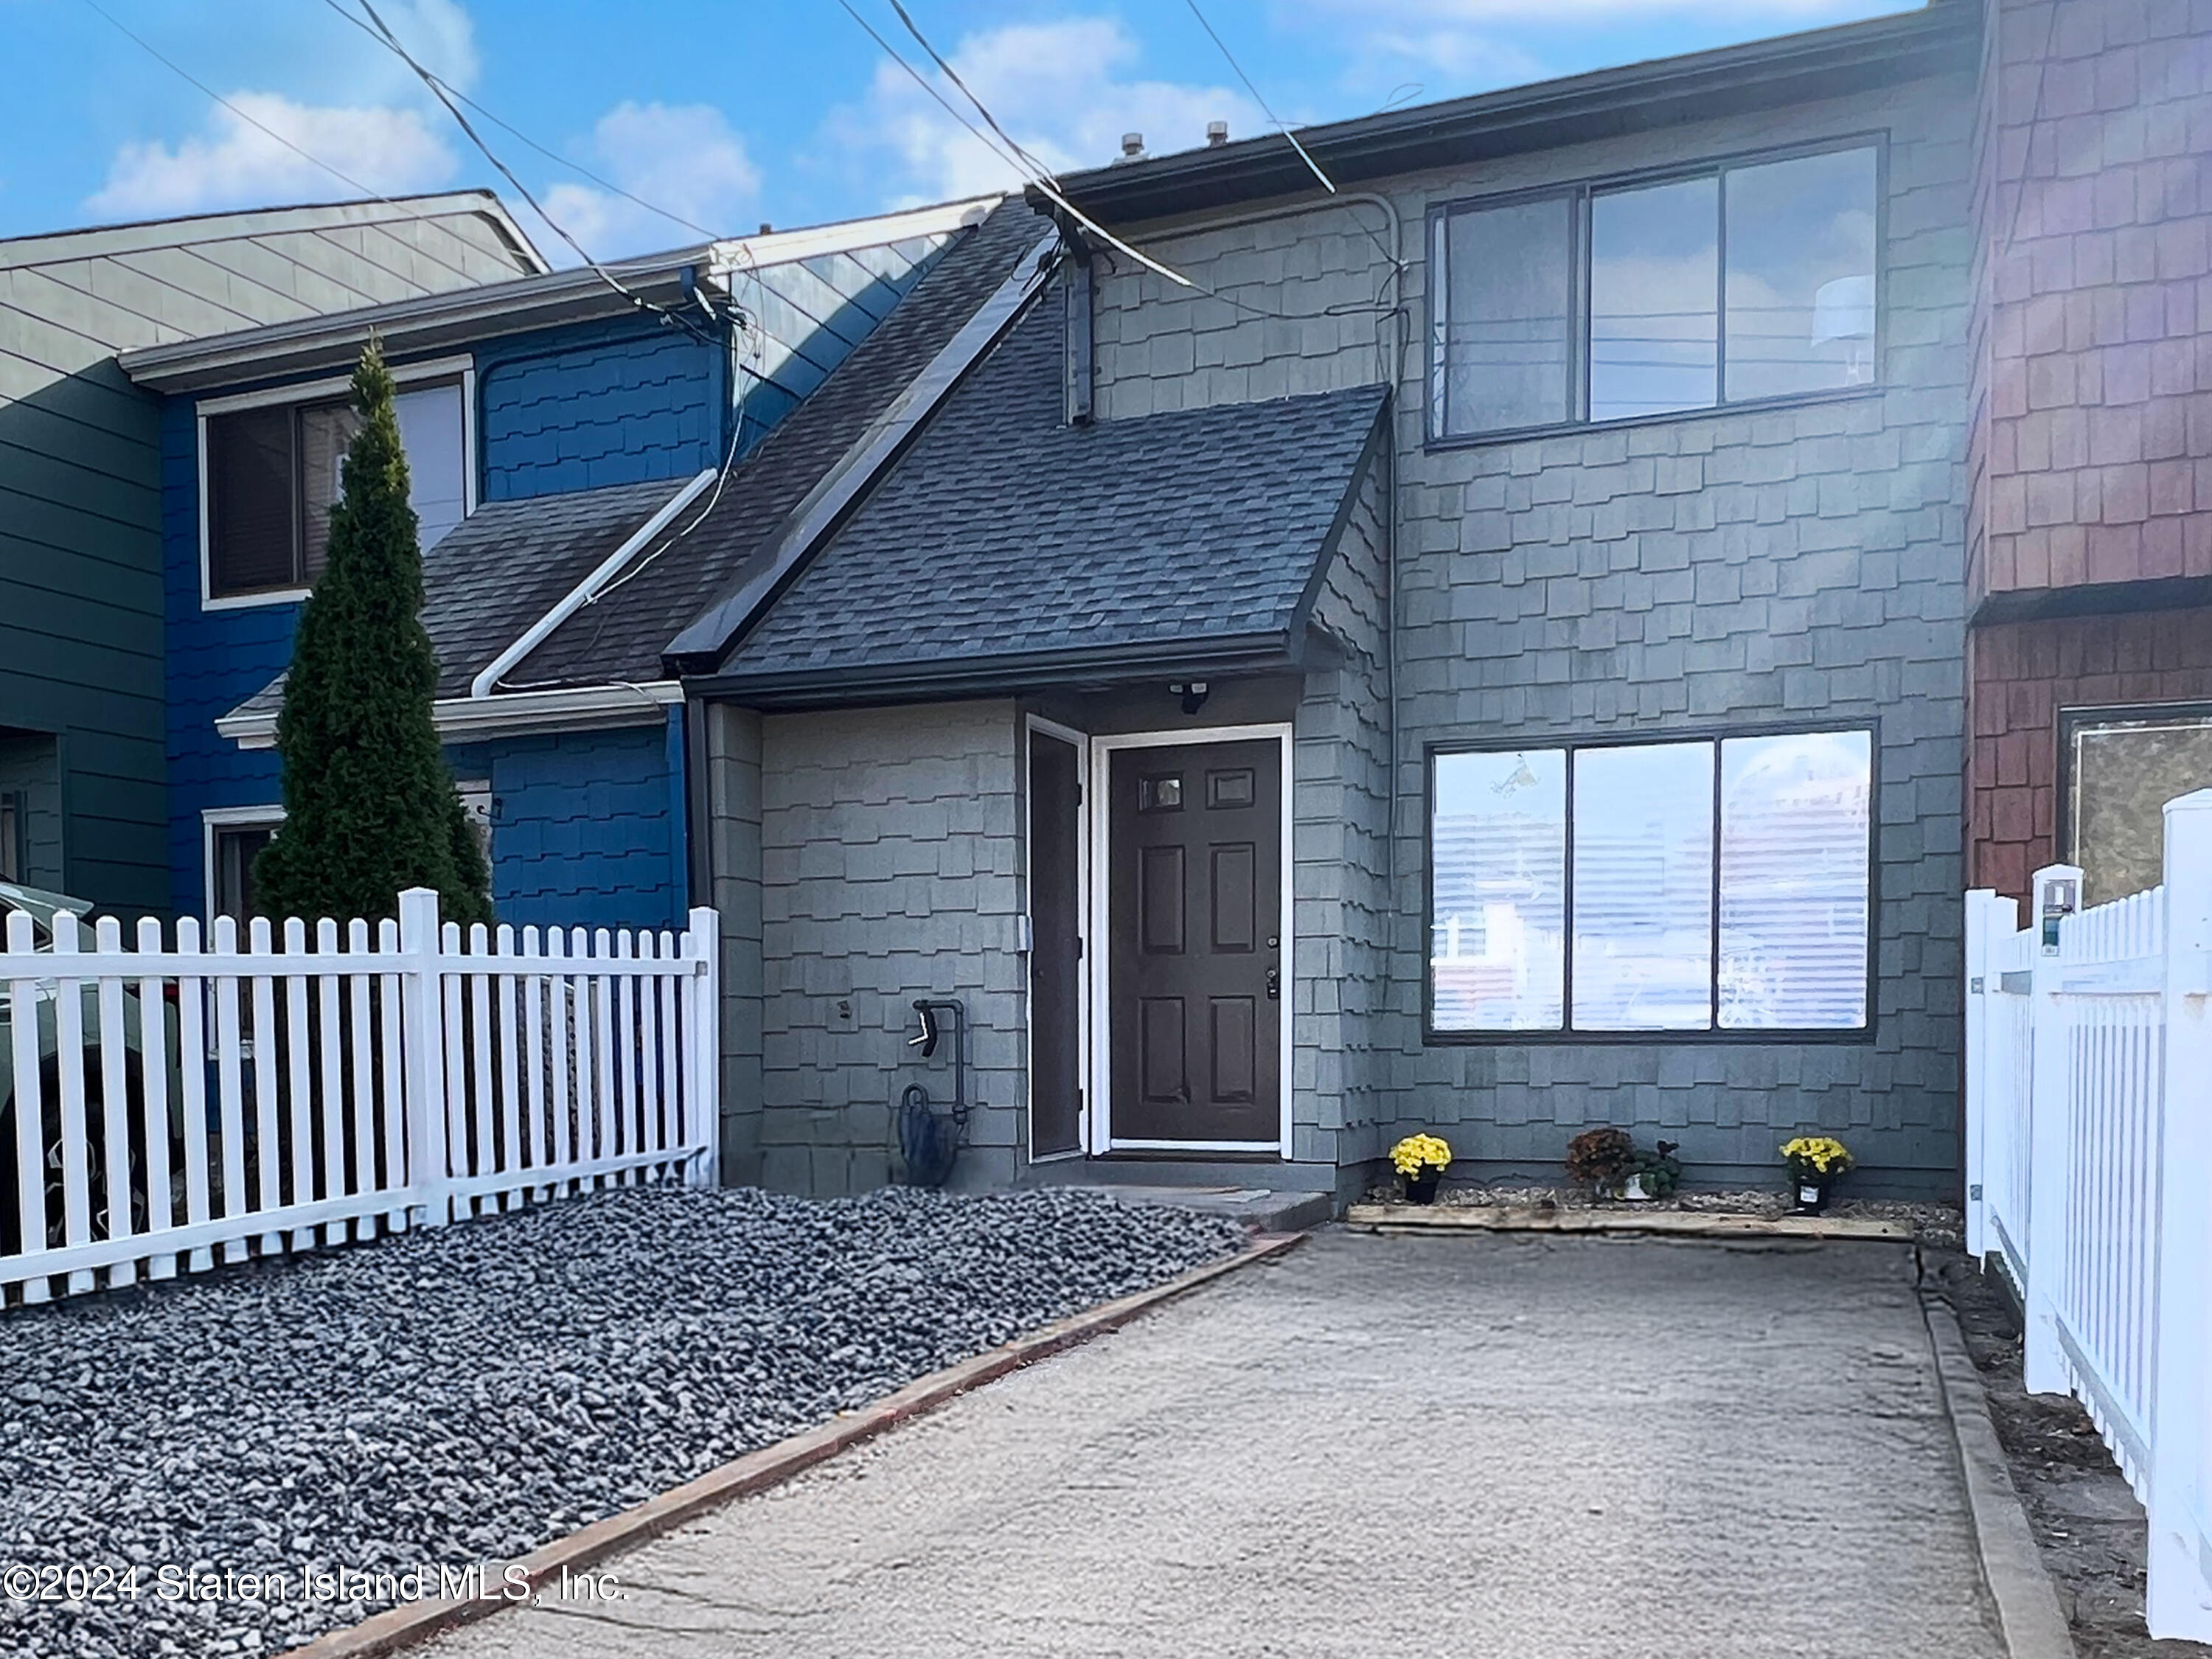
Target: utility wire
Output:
[(1022, 162), (438, 90), (509, 127), (154, 51), (1313, 166)]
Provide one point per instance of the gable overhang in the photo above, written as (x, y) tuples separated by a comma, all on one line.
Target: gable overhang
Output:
[(706, 643), (1943, 37)]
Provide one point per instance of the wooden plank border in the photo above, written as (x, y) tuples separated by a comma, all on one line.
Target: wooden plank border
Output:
[(1694, 1223), (404, 1626)]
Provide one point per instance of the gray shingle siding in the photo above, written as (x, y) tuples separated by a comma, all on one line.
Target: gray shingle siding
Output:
[(889, 858), (1677, 574)]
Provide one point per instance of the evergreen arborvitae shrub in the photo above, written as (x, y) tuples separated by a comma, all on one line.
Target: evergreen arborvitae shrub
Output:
[(369, 802)]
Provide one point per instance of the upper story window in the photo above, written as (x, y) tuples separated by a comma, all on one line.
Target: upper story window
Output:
[(273, 473), (1608, 302)]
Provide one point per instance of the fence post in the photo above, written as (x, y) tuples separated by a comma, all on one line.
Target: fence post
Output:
[(1974, 1096), (423, 1021), (2177, 1601), (2049, 1114), (703, 937)]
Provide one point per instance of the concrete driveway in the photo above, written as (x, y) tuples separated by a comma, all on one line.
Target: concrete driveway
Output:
[(1539, 1448)]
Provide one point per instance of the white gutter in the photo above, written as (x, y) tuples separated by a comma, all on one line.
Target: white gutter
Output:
[(740, 254), (584, 591), (566, 708)]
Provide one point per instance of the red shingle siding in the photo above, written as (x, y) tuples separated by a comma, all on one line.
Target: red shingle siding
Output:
[(2022, 675), (2090, 459)]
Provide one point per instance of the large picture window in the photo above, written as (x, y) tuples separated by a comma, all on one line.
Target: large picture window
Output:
[(1714, 886), (1730, 283), (273, 476)]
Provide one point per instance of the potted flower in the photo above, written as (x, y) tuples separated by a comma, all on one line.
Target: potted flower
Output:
[(1813, 1161), (1602, 1159), (1421, 1161), (1654, 1174)]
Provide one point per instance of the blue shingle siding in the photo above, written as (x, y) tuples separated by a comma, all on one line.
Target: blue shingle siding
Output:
[(610, 403), (585, 831)]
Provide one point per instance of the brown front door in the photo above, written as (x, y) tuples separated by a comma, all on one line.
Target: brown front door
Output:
[(1195, 915)]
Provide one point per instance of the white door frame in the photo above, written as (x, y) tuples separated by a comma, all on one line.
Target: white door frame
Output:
[(1098, 1130), (1081, 744)]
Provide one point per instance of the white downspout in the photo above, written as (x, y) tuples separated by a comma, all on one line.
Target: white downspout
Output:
[(580, 595)]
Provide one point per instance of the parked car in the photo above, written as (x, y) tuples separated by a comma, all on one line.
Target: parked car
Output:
[(42, 907)]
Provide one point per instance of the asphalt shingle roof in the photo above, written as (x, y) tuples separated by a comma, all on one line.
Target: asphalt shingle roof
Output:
[(1005, 533), (621, 637)]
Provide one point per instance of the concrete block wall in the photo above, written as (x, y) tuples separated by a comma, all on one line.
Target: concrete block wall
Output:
[(2092, 460), (1798, 562), (890, 861)]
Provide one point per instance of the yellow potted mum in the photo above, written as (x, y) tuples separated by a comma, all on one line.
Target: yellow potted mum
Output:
[(1813, 1161), (1421, 1161)]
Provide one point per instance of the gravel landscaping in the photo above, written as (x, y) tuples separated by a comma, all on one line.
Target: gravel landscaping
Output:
[(467, 1393)]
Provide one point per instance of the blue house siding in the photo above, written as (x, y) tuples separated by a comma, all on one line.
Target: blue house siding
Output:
[(587, 827), (610, 403)]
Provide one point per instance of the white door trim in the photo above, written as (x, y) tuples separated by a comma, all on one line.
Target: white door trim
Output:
[(1098, 1130), (1081, 745)]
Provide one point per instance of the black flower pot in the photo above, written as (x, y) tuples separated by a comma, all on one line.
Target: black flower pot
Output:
[(1809, 1196), (1422, 1188)]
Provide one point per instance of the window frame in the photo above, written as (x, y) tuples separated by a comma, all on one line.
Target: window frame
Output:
[(1566, 1035), (1579, 192), (15, 836), (215, 823), (2066, 727), (459, 370)]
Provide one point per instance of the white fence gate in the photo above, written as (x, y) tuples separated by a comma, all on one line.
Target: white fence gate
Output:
[(172, 1105), (2089, 1173)]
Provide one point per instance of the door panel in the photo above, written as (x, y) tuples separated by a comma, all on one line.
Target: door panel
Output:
[(1195, 905), (1055, 947)]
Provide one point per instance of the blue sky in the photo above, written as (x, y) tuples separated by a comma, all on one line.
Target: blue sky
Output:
[(733, 113)]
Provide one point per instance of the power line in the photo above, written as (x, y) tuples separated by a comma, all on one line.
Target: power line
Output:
[(438, 90), (154, 51), (516, 132), (1256, 96), (1026, 164)]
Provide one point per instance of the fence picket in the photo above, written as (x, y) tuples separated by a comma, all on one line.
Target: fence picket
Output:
[(218, 1099), (23, 1000), (191, 1066), (154, 1067), (69, 1039)]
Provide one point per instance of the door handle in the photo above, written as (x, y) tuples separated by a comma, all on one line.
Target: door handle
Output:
[(1274, 984)]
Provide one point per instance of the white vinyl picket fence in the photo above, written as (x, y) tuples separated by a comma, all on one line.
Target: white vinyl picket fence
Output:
[(170, 1105), (2089, 1173)]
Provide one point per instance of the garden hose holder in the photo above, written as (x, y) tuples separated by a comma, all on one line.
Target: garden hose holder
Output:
[(929, 1141)]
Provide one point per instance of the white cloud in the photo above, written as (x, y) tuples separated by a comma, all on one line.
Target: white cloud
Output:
[(681, 157), (1060, 89), (232, 162)]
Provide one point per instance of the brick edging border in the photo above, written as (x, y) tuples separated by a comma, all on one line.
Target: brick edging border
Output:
[(2028, 1615), (417, 1621), (1686, 1224)]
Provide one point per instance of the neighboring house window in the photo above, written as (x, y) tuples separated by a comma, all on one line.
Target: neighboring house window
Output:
[(1714, 886), (14, 852), (2120, 767), (232, 849), (273, 475), (1730, 283)]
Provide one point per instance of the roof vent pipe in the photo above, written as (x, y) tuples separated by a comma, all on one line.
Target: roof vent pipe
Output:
[(1216, 134), (1132, 147)]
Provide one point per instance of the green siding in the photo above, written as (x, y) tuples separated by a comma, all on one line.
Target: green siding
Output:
[(80, 579)]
